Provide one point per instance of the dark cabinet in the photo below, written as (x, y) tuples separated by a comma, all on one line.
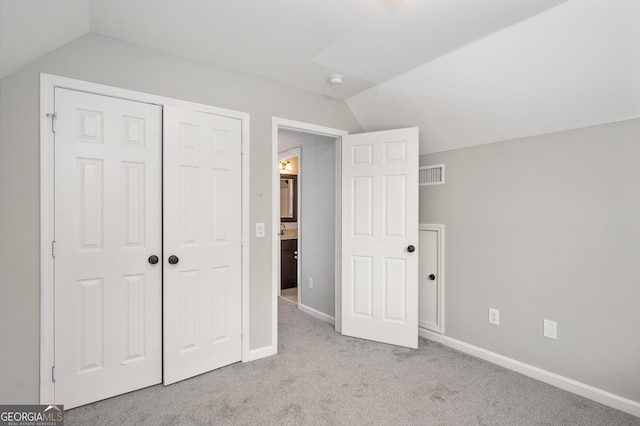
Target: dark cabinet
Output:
[(289, 263)]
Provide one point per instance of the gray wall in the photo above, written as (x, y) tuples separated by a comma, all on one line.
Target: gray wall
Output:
[(547, 227), (317, 217), (107, 61)]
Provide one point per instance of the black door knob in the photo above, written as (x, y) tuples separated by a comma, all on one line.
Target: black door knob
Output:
[(432, 277), (411, 249), (153, 259), (173, 259)]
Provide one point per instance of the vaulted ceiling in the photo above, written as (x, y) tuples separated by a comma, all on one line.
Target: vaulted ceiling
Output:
[(466, 71)]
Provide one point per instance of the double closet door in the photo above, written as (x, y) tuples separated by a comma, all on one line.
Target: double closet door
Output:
[(147, 245)]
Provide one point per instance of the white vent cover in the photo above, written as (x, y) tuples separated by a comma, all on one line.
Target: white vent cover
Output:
[(431, 175)]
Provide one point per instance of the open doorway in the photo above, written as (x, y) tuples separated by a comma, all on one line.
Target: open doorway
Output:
[(317, 221), (289, 216)]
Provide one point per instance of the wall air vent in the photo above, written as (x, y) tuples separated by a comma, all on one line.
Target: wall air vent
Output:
[(431, 175)]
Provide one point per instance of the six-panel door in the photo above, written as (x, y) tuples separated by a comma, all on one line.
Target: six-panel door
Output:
[(108, 212), (380, 236), (202, 229)]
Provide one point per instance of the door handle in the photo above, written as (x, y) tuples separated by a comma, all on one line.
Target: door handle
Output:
[(411, 249), (432, 277), (153, 259), (173, 259)]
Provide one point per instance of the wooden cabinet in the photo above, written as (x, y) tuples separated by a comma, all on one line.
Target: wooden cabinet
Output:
[(289, 263)]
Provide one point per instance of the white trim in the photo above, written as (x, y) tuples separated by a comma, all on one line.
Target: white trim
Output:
[(48, 83), (246, 236), (298, 126), (260, 353), (317, 314), (338, 238), (439, 229), (301, 126), (565, 383), (47, 296)]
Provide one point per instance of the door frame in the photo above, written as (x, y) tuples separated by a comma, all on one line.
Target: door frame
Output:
[(439, 230), (303, 127), (48, 84)]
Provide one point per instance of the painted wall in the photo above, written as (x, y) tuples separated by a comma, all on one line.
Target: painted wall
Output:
[(546, 227), (108, 61), (316, 222)]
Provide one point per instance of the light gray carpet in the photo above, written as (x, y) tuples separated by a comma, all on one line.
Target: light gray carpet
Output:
[(321, 377)]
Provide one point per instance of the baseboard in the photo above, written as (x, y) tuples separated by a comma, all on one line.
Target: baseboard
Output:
[(565, 383), (263, 352), (317, 314)]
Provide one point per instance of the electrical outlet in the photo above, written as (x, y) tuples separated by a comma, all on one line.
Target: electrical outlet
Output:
[(550, 329), (310, 282), (494, 316)]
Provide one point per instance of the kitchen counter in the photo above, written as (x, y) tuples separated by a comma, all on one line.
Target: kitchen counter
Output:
[(289, 234)]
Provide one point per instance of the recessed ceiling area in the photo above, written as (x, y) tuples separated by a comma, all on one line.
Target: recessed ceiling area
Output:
[(467, 72)]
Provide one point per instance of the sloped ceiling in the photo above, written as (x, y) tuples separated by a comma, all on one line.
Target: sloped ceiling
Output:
[(574, 66), (466, 71)]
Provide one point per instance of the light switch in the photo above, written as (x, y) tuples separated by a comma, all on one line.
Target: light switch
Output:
[(260, 230)]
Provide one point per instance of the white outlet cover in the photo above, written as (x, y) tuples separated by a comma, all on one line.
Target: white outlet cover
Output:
[(550, 329), (494, 316)]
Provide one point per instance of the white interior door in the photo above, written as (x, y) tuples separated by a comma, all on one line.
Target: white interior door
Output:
[(380, 236), (202, 230), (430, 281), (107, 225)]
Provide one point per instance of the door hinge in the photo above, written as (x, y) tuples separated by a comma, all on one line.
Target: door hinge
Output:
[(53, 116), (53, 249), (53, 374)]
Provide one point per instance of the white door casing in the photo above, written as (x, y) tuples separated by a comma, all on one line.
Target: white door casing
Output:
[(431, 273), (379, 224), (202, 227), (107, 224)]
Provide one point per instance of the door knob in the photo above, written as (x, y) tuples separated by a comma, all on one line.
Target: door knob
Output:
[(411, 249), (432, 277), (153, 259), (173, 259)]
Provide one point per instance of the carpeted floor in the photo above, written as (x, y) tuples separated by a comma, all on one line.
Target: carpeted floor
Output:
[(320, 377)]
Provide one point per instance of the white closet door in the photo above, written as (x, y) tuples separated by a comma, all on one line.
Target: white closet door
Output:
[(202, 242), (380, 236), (107, 225)]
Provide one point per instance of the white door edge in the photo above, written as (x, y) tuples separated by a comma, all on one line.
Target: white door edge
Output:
[(48, 83), (439, 229), (300, 126)]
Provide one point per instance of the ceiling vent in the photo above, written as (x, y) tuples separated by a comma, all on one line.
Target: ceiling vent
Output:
[(431, 175)]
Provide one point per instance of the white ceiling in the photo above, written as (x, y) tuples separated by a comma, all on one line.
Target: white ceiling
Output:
[(465, 71)]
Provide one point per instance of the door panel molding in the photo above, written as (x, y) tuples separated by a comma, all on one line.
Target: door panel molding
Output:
[(48, 83)]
